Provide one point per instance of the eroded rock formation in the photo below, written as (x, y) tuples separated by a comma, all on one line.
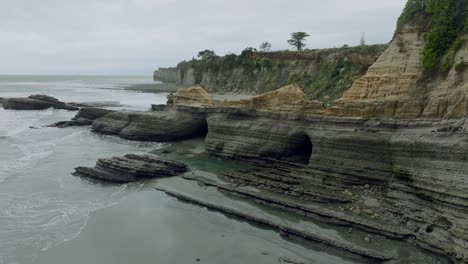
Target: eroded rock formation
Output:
[(84, 117), (35, 102), (395, 86), (286, 99), (162, 126), (193, 96), (387, 81), (131, 168)]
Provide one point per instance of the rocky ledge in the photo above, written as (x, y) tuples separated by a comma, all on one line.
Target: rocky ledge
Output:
[(415, 171), (84, 117), (36, 102), (130, 168), (404, 179)]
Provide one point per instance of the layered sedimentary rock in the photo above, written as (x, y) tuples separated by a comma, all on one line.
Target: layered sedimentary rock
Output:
[(448, 98), (160, 126), (193, 96), (395, 86), (84, 117), (419, 169), (35, 102), (131, 168), (388, 80), (286, 99)]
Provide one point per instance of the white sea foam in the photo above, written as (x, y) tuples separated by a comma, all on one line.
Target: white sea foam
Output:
[(14, 122)]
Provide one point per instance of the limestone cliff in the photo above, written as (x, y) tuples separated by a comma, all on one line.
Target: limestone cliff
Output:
[(322, 74)]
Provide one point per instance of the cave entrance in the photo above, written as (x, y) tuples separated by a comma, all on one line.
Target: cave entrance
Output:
[(301, 149), (201, 130)]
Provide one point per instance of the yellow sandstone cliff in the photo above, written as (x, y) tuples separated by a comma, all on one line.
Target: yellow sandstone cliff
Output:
[(395, 86), (193, 96)]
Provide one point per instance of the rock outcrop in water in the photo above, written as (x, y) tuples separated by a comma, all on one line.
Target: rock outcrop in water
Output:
[(159, 126), (36, 102), (130, 168), (84, 117)]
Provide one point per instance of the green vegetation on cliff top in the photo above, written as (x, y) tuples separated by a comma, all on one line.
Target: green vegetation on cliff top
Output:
[(322, 74), (445, 21)]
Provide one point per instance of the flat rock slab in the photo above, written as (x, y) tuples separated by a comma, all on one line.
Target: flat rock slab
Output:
[(35, 102), (130, 168)]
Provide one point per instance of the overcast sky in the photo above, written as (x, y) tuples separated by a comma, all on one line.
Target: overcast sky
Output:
[(138, 36)]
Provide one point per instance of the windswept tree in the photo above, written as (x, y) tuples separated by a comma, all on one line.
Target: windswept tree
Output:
[(248, 51), (297, 40), (265, 46), (206, 54)]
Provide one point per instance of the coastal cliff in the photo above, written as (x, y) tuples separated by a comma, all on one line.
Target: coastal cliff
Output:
[(323, 74), (423, 72), (389, 157)]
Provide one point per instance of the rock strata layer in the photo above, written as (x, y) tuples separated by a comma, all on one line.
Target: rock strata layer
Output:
[(286, 99), (419, 168), (36, 102), (396, 85), (162, 126), (130, 168)]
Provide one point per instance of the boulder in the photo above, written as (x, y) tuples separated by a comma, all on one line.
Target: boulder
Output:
[(35, 102), (193, 96), (286, 99), (130, 168)]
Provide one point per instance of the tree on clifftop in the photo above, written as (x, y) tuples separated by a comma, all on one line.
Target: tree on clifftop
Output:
[(265, 46), (297, 40), (206, 54), (363, 40)]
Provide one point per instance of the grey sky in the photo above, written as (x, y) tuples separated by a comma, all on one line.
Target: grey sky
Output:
[(137, 36)]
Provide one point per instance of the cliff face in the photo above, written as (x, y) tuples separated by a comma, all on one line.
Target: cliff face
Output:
[(321, 74), (407, 81)]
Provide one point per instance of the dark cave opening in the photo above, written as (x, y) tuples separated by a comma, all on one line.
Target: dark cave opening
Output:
[(301, 149)]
